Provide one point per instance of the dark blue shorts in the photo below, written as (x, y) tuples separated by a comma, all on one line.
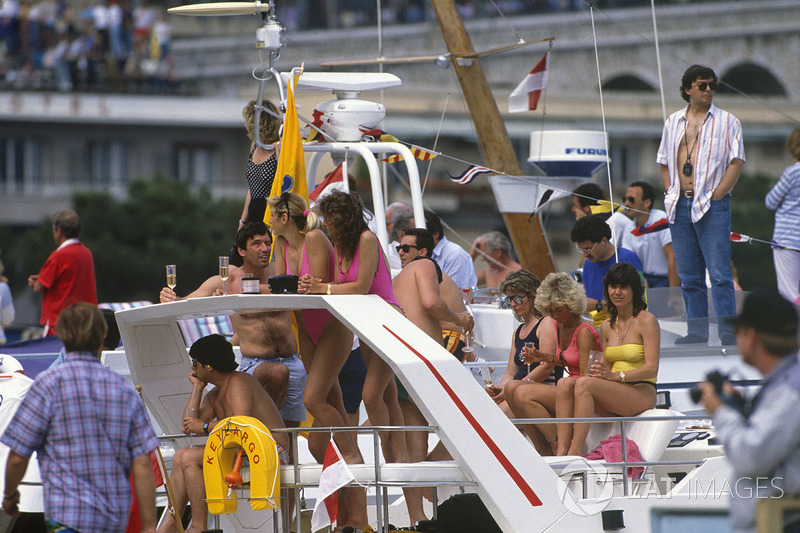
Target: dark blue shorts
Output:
[(351, 380)]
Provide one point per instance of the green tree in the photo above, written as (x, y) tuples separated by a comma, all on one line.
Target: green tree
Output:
[(161, 222)]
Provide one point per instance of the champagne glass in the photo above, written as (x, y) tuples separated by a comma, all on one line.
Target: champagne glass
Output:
[(191, 412), (486, 374), (468, 348), (528, 345), (223, 270), (172, 276)]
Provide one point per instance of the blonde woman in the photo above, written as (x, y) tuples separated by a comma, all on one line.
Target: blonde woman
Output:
[(261, 164), (562, 299), (301, 248), (624, 383)]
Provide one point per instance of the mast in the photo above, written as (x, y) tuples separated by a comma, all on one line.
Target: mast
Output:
[(526, 235)]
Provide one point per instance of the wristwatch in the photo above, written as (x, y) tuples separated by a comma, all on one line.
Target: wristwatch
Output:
[(205, 428), (599, 306)]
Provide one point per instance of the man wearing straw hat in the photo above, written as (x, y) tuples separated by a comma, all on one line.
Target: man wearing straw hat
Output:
[(90, 431)]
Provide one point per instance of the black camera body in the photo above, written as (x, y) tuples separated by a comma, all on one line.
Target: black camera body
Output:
[(716, 378)]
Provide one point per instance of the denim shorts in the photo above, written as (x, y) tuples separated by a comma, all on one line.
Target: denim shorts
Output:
[(293, 408)]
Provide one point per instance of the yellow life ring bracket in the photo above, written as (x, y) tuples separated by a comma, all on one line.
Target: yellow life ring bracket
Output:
[(223, 443)]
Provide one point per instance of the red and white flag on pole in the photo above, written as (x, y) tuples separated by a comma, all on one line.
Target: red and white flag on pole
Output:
[(335, 475), (526, 95)]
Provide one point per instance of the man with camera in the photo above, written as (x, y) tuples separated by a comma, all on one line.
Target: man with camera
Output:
[(762, 443)]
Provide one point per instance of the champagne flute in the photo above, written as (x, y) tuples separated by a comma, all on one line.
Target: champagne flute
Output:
[(223, 270), (172, 276), (528, 345), (486, 374), (191, 412)]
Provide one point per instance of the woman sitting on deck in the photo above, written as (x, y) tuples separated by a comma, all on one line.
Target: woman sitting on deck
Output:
[(520, 294), (624, 384), (563, 299)]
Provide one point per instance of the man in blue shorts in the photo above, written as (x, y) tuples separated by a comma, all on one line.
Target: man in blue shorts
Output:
[(265, 338)]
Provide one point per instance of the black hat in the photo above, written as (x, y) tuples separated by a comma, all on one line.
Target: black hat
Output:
[(768, 312), (216, 351)]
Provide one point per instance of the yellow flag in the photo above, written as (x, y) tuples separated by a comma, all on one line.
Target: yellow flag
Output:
[(291, 172)]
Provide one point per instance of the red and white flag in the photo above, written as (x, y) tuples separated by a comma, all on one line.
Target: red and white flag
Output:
[(526, 95), (335, 475), (332, 182)]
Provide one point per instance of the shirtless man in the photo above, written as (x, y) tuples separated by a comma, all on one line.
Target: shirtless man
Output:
[(234, 394), (495, 248), (269, 348), (417, 289)]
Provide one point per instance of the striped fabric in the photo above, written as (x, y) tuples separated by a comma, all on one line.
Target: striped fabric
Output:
[(190, 329), (784, 199), (719, 143)]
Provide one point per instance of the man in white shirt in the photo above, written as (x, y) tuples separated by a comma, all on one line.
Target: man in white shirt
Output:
[(650, 239), (701, 157)]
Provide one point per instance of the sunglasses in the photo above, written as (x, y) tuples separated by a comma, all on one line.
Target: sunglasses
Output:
[(194, 363), (516, 299), (285, 198), (406, 247), (703, 85), (586, 250), (630, 199)]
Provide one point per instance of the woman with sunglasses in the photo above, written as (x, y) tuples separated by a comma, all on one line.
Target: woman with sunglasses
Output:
[(520, 290), (624, 383), (363, 269), (563, 300), (301, 248)]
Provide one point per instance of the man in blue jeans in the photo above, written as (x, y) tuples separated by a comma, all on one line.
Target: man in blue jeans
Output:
[(701, 157)]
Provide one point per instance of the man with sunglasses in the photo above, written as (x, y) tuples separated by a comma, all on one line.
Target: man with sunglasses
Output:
[(592, 238), (701, 157), (650, 239), (268, 346)]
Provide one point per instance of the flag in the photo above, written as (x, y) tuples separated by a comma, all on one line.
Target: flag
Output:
[(470, 174), (420, 153), (291, 172), (335, 475), (376, 135), (332, 182), (526, 95), (659, 225), (545, 195)]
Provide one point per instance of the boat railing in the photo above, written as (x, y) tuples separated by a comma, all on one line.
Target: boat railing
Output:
[(376, 478)]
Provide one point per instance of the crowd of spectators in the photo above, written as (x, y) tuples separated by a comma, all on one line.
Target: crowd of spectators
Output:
[(110, 45)]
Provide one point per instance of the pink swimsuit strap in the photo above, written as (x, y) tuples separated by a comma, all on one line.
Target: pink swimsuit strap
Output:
[(381, 282)]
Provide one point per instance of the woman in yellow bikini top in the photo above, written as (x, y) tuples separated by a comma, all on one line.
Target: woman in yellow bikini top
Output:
[(624, 383)]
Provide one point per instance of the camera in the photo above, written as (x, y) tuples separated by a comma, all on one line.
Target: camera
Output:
[(716, 378)]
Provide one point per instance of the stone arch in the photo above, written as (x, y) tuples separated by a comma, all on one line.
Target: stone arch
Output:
[(627, 82), (751, 79)]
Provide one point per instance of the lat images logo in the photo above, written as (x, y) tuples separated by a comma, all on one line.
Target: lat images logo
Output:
[(578, 475)]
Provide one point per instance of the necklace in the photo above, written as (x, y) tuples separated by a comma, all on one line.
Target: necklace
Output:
[(620, 339), (687, 167)]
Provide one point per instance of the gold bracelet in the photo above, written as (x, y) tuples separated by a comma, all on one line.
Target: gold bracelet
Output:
[(329, 289)]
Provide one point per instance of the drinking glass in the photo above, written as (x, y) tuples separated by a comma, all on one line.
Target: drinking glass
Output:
[(595, 356), (223, 270), (486, 374), (528, 345), (467, 344), (172, 276), (191, 412)]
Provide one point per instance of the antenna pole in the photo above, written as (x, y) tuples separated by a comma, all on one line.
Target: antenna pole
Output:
[(526, 234)]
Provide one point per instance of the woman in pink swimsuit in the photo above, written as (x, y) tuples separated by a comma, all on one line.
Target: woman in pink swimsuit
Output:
[(303, 249), (563, 299), (363, 270)]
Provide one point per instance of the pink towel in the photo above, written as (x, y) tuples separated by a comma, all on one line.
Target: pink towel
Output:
[(611, 450)]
